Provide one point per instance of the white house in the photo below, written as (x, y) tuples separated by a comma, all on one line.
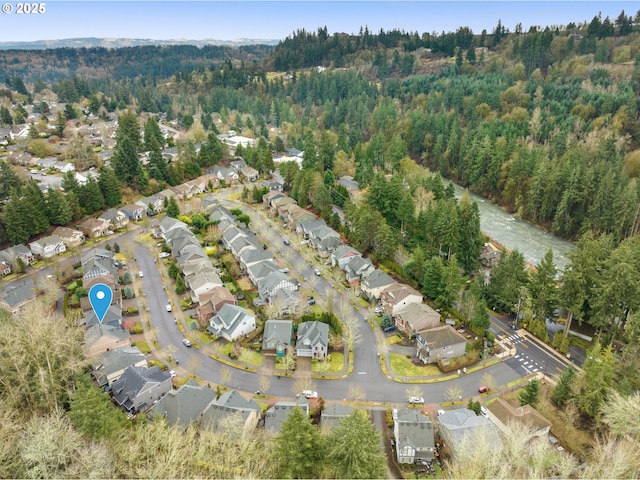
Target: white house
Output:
[(232, 322), (48, 246)]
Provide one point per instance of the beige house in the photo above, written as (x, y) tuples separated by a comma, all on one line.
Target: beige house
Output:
[(503, 413), (440, 344), (101, 338), (94, 227), (417, 318), (71, 237), (399, 296)]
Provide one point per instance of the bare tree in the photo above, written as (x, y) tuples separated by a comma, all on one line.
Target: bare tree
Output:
[(414, 391), (356, 394), (620, 413), (289, 361), (194, 363), (303, 384), (351, 333), (452, 394), (225, 375), (171, 350), (264, 383), (488, 380)]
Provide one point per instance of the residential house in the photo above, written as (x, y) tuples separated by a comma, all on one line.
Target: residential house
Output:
[(238, 164), (182, 192), (153, 204), (138, 387), (312, 340), (234, 140), (112, 317), (414, 436), (490, 258), (109, 367), (5, 268), (224, 174), (285, 303), (440, 344), (232, 322), (209, 204), (258, 272), (276, 415), (101, 338), (457, 425), (196, 186), (299, 215), (398, 296), (356, 269), (276, 338), (232, 234), (242, 243), (503, 412), (374, 283), (202, 283), (353, 189), (304, 229), (320, 233), (12, 254), (94, 227), (46, 163), (133, 212), (343, 255), (248, 258), (183, 406), (276, 186), (64, 167), (98, 262), (17, 295), (278, 202), (115, 217), (274, 282), (212, 301), (333, 413), (231, 403), (250, 173), (71, 237), (416, 318), (328, 245), (272, 195), (49, 246), (219, 213)]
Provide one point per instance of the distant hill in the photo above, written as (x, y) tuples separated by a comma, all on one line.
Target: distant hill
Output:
[(91, 42)]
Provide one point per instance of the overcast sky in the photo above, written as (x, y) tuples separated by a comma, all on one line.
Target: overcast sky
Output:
[(158, 19)]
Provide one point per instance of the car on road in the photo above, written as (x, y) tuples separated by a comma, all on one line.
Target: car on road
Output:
[(317, 272), (514, 326), (440, 412), (169, 309), (311, 301), (164, 255), (483, 411), (140, 274), (264, 247), (172, 373), (186, 342), (310, 394), (287, 242), (416, 400), (379, 309), (284, 270), (483, 389)]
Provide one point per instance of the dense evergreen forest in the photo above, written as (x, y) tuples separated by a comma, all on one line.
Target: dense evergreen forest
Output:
[(543, 122), (151, 62)]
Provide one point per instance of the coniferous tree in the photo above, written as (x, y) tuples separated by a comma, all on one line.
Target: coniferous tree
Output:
[(57, 208), (9, 180), (544, 288), (299, 449), (109, 186), (34, 202), (157, 167), (529, 395), (152, 134), (16, 217), (91, 196), (562, 392), (354, 448), (74, 205), (172, 208), (70, 183)]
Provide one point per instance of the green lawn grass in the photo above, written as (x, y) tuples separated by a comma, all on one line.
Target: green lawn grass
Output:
[(394, 340), (336, 360), (401, 365), (142, 346), (251, 357)]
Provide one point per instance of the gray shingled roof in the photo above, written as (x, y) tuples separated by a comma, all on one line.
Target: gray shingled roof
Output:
[(277, 332), (133, 380), (228, 319), (276, 415), (100, 330), (415, 430), (185, 405), (312, 333), (112, 317), (333, 413), (114, 361)]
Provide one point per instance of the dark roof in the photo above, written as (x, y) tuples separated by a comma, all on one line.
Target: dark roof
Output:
[(185, 405)]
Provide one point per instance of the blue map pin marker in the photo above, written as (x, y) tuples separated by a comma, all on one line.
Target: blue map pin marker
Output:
[(100, 296)]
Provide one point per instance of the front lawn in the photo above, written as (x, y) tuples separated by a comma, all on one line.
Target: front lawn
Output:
[(142, 346), (403, 366), (394, 340), (335, 361)]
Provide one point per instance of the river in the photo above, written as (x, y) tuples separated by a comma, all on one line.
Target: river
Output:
[(514, 233)]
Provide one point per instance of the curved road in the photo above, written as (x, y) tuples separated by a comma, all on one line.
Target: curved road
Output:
[(367, 375)]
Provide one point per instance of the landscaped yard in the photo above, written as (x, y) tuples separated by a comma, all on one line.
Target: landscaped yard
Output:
[(394, 340), (403, 366), (335, 360), (142, 346)]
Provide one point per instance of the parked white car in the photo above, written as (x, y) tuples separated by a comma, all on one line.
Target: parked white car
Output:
[(416, 400), (169, 309), (310, 393), (164, 255)]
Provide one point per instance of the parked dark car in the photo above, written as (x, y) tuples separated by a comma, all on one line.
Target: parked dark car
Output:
[(264, 247), (390, 328)]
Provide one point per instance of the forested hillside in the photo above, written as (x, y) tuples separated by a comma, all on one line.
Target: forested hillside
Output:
[(121, 63)]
